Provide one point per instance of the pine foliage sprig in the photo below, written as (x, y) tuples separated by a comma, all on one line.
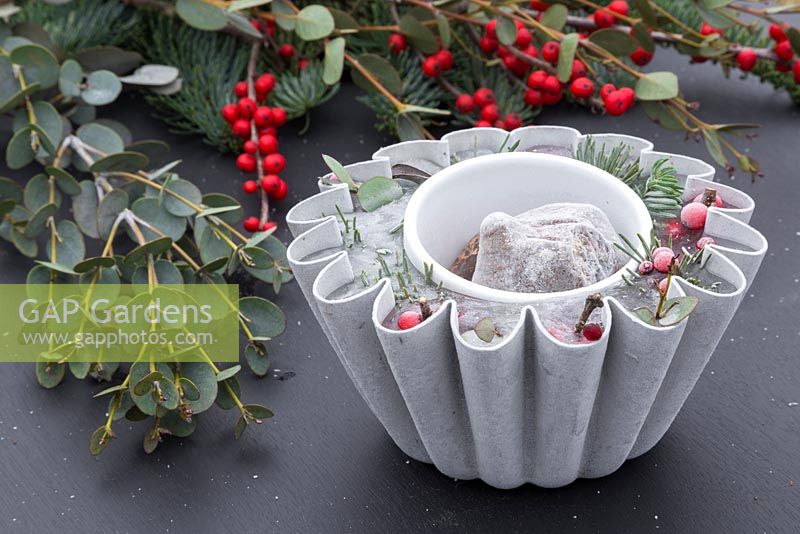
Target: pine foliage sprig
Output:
[(299, 92), (210, 65), (659, 189), (417, 90), (81, 23)]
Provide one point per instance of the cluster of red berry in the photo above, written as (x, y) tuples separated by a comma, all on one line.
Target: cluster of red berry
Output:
[(489, 44), (746, 58), (483, 101), (258, 126)]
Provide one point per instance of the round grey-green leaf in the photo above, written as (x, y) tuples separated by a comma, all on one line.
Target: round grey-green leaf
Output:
[(334, 61), (152, 75), (151, 211), (202, 376), (263, 318), (657, 86), (70, 78), (99, 137), (186, 190), (377, 192), (257, 358), (145, 402), (220, 200), (64, 180), (38, 64), (201, 15), (109, 209), (102, 87), (84, 208), (38, 220), (177, 426), (313, 22), (49, 374), (19, 151), (70, 248), (37, 193), (120, 161)]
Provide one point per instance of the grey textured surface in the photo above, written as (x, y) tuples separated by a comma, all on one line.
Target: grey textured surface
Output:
[(729, 463), (551, 248)]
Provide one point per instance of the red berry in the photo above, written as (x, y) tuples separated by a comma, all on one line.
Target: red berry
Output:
[(592, 332), (659, 250), (796, 71), (616, 103), (397, 43), (490, 113), (286, 51), (483, 124), (629, 94), (491, 29), (776, 33), (662, 286), (533, 98), (746, 59), (445, 58), (502, 51), (512, 122), (251, 224), (663, 260), (531, 51), (271, 183), (487, 45), (262, 117), (603, 18), (268, 144), (675, 229), (246, 162), (578, 69), (524, 38), (539, 6), (693, 216), (551, 85), (783, 66), (230, 113), (283, 190), (408, 319), (548, 99), (618, 6), (606, 90), (269, 225), (431, 67), (499, 124), (550, 51), (274, 163), (250, 147), (582, 88), (708, 29), (516, 65), (646, 267), (265, 83), (464, 103), (278, 116), (717, 200), (641, 57), (303, 63), (246, 107), (703, 241), (240, 89), (241, 128), (250, 187), (699, 59), (784, 50), (536, 79), (269, 130), (483, 97)]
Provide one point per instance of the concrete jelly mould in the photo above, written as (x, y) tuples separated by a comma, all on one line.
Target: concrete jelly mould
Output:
[(530, 408)]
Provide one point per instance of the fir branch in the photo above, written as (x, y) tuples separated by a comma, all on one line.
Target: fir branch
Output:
[(81, 23), (299, 92), (210, 65)]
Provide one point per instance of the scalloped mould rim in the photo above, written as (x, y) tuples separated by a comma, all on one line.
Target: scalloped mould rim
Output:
[(531, 409)]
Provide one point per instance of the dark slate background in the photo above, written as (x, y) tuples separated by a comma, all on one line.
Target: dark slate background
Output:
[(730, 463)]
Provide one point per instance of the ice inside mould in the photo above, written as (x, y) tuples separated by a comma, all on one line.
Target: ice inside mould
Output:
[(379, 254), (556, 247)]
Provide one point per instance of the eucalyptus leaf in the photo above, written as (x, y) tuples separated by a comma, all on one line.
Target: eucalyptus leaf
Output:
[(566, 56), (202, 376), (555, 17), (38, 221), (90, 264), (19, 152), (156, 215), (70, 248), (38, 64), (506, 31), (614, 41), (420, 37), (225, 374), (64, 180), (257, 358), (657, 86), (382, 70), (120, 161), (186, 190), (99, 440), (485, 330), (313, 22), (84, 208), (201, 15), (677, 309), (263, 318), (178, 426), (258, 411), (284, 14), (70, 78), (152, 75), (112, 58), (339, 171), (109, 209), (102, 87), (333, 63), (49, 374), (377, 192)]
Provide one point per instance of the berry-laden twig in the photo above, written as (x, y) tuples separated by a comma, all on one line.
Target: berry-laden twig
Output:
[(257, 125)]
